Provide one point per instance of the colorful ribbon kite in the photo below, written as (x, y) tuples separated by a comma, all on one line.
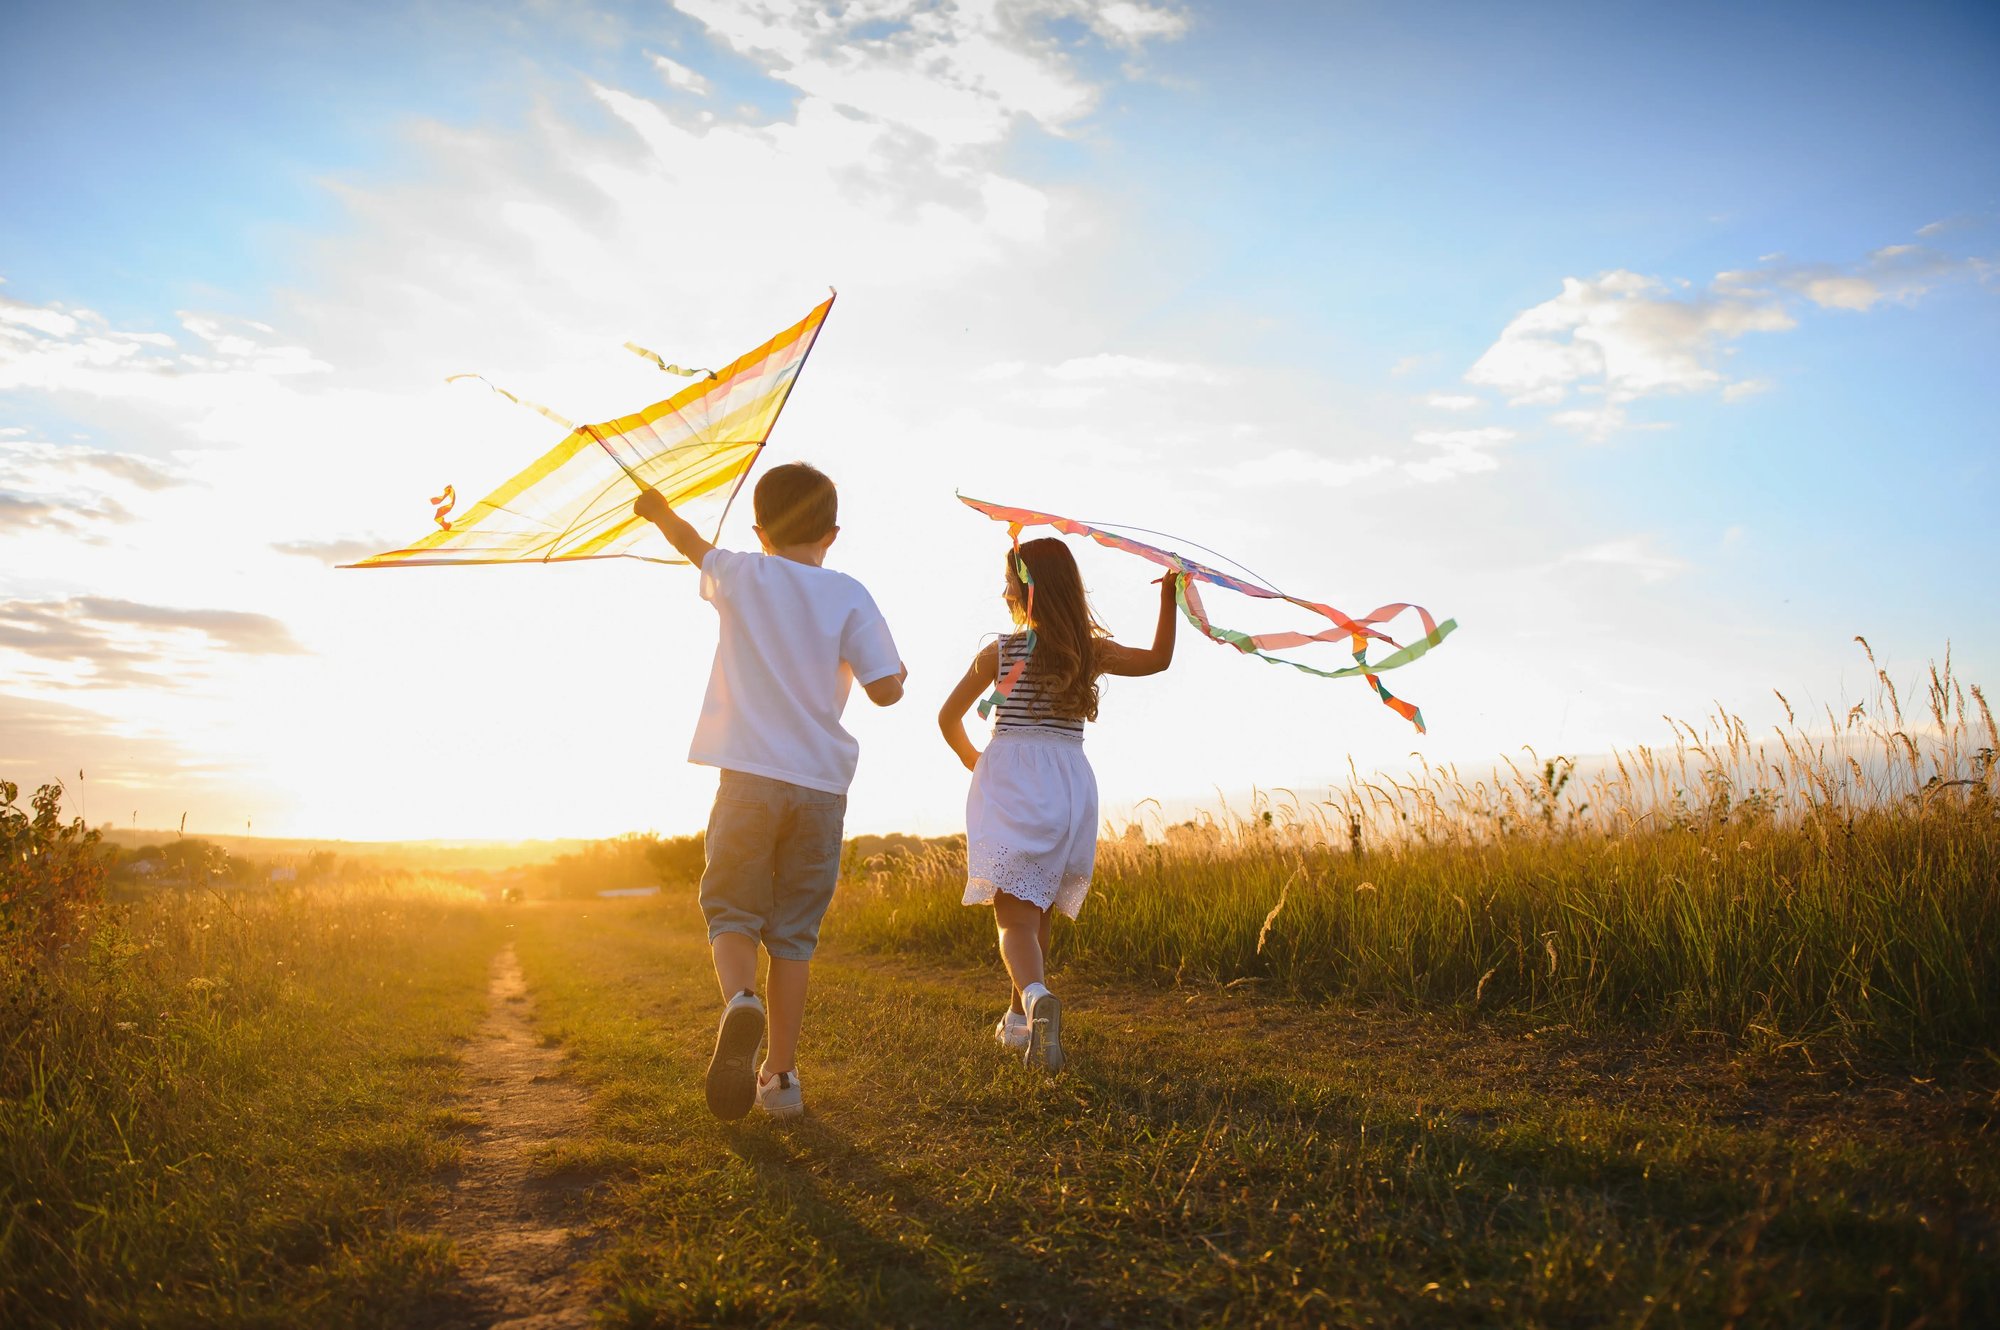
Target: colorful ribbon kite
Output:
[(575, 501), (1356, 630)]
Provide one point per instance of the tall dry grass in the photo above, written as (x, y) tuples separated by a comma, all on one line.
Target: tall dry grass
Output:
[(223, 1106), (1834, 885)]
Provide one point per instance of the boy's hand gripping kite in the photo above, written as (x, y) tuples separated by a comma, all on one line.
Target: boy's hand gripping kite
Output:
[(1355, 630)]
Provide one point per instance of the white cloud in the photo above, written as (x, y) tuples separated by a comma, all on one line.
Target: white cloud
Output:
[(49, 321), (957, 74), (1622, 336), (1461, 452), (1628, 334), (49, 349), (1632, 554), (1109, 367), (1133, 24), (1452, 401), (1898, 274), (1295, 466), (58, 467), (680, 76)]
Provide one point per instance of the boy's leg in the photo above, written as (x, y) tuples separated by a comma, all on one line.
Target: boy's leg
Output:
[(785, 995), (736, 898), (737, 877), (807, 866), (735, 963)]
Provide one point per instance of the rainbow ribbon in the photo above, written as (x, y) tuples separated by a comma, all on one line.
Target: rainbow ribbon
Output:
[(1003, 688), (1357, 631)]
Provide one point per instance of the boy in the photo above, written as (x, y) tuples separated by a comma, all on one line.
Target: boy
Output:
[(794, 635)]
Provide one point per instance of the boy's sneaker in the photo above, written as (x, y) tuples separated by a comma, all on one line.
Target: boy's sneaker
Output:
[(732, 1072), (1012, 1031), (780, 1097), (1044, 1032)]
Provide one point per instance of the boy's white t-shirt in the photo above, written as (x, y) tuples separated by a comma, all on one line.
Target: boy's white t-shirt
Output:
[(794, 639)]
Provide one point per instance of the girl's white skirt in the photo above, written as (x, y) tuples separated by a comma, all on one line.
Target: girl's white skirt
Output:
[(1031, 822)]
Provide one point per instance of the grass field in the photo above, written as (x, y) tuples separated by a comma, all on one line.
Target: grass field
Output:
[(1703, 1036), (1220, 1158), (230, 1109)]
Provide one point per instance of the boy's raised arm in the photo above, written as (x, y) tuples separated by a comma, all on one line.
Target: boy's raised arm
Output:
[(653, 506)]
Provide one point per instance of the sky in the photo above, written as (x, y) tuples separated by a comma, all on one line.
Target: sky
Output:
[(1653, 345)]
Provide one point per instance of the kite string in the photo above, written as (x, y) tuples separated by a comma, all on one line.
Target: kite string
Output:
[(1255, 576), (598, 439)]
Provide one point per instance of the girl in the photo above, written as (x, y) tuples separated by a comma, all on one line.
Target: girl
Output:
[(1031, 816)]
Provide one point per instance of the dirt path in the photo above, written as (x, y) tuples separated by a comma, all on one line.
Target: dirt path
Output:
[(522, 1236)]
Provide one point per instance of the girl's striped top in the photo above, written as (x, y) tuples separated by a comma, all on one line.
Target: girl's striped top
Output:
[(1029, 710)]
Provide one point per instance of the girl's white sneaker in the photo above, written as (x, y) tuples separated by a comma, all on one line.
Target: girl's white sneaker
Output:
[(1044, 1032), (1012, 1032)]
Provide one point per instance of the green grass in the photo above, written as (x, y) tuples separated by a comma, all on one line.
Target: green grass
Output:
[(228, 1109), (1705, 1038), (1221, 1158), (1836, 890)]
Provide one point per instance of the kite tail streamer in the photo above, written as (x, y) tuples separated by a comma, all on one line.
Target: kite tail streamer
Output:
[(1191, 606), (661, 364), (536, 407), (444, 502), (1355, 632)]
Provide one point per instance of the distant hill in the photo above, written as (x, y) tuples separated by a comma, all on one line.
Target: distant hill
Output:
[(437, 856)]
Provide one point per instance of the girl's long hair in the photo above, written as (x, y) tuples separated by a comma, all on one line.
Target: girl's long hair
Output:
[(1064, 663)]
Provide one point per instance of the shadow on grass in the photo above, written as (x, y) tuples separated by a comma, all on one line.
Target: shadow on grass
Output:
[(921, 1260)]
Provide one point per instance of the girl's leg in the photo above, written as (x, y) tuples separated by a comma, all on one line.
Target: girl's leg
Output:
[(1044, 934), (1021, 925)]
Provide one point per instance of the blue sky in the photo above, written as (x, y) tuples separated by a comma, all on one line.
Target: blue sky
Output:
[(1653, 344)]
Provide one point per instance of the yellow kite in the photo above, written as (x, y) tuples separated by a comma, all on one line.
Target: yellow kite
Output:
[(575, 501)]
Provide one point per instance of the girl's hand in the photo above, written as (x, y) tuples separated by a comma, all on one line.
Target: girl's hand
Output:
[(970, 756), (1169, 584)]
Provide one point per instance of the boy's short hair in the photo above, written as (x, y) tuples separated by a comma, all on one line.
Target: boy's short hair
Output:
[(795, 504)]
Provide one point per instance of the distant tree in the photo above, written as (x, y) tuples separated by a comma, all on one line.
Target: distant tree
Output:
[(618, 864), (678, 860), (192, 860)]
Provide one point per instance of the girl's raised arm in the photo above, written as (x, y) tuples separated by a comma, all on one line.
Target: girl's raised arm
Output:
[(982, 675), (1114, 658)]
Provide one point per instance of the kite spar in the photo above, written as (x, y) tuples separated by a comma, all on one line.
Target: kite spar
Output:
[(1357, 631), (695, 447)]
